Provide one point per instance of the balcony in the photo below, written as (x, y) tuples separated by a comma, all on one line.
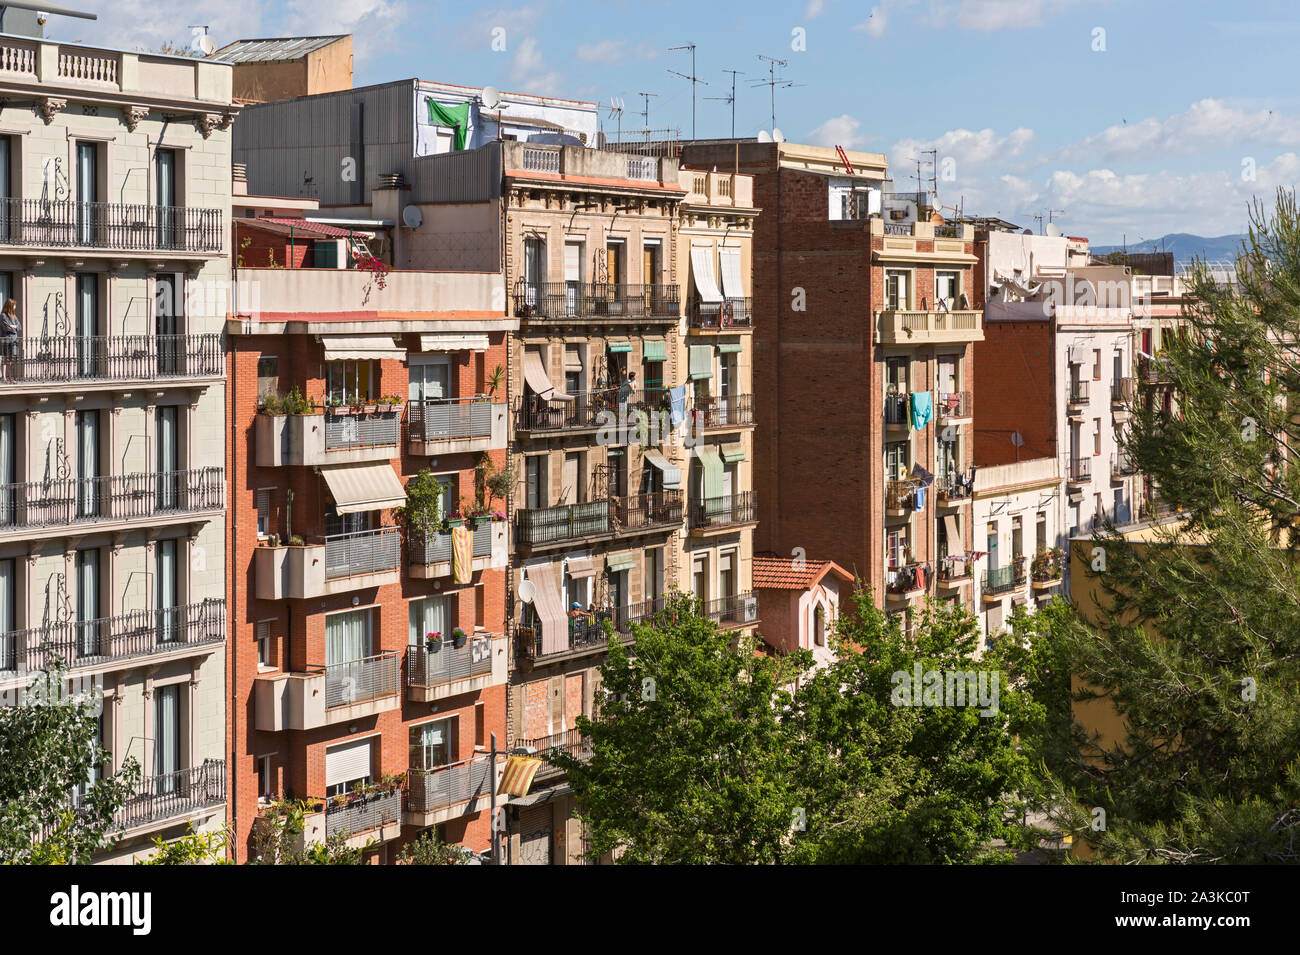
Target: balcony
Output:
[(448, 792), (953, 572), (1046, 569), (733, 411), (734, 610), (1151, 371), (592, 411), (1000, 581), (328, 438), (897, 417), (432, 558), (365, 819), (729, 315), (906, 582), (40, 509), (586, 633), (715, 514), (900, 498), (325, 695), (639, 513), (114, 643), (1077, 399), (954, 406), (955, 490), (338, 564), (1122, 392), (1078, 470), (897, 327), (169, 798), (566, 523), (442, 670), (570, 742), (1121, 465), (455, 425), (111, 360), (605, 304), (66, 224)]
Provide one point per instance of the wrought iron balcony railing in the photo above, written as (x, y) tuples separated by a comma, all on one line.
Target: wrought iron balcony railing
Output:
[(571, 742), (561, 301), (732, 411), (643, 511), (955, 404), (729, 313), (132, 227), (89, 358), (548, 525), (1078, 470), (1079, 392), (1002, 580), (732, 610), (119, 497), (169, 795), (737, 508)]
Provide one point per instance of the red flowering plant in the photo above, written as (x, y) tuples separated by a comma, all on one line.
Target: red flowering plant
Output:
[(378, 274)]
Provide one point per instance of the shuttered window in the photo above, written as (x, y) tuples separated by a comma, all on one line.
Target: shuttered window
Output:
[(347, 764)]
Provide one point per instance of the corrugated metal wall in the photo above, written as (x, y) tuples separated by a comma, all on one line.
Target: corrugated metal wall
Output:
[(298, 147)]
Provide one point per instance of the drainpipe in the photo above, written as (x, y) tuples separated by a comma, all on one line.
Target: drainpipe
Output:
[(232, 659), (492, 804)]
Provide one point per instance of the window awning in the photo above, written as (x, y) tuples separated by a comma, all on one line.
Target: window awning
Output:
[(731, 284), (364, 487), (728, 348), (701, 362), (615, 563), (535, 375), (549, 604), (361, 347), (702, 269), (572, 360), (672, 474), (733, 452), (618, 346), (953, 531), (581, 567), (452, 342), (655, 350), (708, 457)]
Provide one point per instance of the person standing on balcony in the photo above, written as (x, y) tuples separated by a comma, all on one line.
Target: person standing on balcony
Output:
[(11, 330)]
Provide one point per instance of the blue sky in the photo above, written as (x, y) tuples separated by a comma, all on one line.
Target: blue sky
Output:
[(1170, 119)]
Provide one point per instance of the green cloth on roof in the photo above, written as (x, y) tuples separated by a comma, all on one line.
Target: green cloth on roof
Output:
[(457, 117)]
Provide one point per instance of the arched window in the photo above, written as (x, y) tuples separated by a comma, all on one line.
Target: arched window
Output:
[(819, 625)]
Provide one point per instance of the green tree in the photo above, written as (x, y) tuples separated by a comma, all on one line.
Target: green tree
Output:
[(428, 849), (49, 744), (193, 848), (278, 838), (1198, 643)]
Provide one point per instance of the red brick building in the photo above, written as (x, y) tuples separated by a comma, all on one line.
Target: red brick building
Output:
[(368, 661)]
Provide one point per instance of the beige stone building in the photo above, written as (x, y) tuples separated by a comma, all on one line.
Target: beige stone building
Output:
[(114, 211)]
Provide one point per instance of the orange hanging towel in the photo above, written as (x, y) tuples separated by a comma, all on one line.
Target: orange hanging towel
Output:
[(462, 554)]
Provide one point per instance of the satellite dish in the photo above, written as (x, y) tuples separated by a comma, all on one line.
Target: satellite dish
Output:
[(527, 591), (207, 45), (777, 136), (764, 136), (1053, 229), (491, 97), (412, 217)]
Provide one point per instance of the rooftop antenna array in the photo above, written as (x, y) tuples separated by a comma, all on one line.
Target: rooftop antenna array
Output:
[(773, 81), (616, 107), (695, 81), (645, 110), (730, 99), (933, 160)]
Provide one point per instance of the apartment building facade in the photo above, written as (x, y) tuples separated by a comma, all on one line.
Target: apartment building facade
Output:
[(864, 356), (114, 211), (368, 653)]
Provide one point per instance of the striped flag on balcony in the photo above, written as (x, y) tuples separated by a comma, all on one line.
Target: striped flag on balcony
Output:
[(462, 554), (517, 776)]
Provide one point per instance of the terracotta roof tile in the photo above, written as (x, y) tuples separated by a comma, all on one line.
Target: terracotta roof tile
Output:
[(780, 573)]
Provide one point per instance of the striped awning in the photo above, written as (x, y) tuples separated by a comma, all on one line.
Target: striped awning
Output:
[(618, 346), (619, 562), (733, 452), (449, 341), (655, 350), (517, 776), (361, 347), (672, 474), (701, 362), (728, 348), (732, 287), (702, 271), (536, 377), (580, 568), (364, 487)]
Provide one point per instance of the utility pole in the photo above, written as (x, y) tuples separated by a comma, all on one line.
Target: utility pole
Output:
[(730, 99), (695, 80)]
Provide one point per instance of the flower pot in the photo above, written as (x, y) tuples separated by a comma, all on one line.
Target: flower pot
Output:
[(458, 640)]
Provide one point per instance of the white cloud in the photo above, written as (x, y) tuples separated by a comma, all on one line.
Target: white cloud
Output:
[(965, 146), (606, 51), (874, 25), (813, 10), (991, 15), (529, 71), (838, 131), (375, 25), (148, 24)]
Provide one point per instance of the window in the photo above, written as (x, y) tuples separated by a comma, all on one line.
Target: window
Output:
[(991, 545), (348, 765), (265, 779), (87, 323), (432, 744), (1074, 520), (8, 639), (1117, 366), (535, 487), (166, 162), (534, 270), (6, 186), (651, 262), (1017, 538), (167, 591), (727, 574), (895, 376), (351, 382), (8, 469), (1096, 364), (87, 602), (1096, 436), (347, 637), (819, 626), (650, 585), (87, 187), (896, 548), (897, 465), (262, 501), (167, 736), (263, 637), (428, 616), (896, 289), (700, 578), (167, 464), (1040, 533), (268, 378), (947, 286), (1097, 513)]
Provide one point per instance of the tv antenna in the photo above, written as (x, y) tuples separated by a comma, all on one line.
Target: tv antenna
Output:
[(645, 111), (933, 155), (730, 99), (616, 107), (773, 80), (695, 80)]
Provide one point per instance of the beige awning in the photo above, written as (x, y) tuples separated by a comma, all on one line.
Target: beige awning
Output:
[(671, 472), (954, 532), (581, 567), (535, 374), (364, 487), (702, 272), (361, 347), (449, 341)]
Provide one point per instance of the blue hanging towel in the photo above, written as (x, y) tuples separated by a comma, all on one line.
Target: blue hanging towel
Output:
[(920, 498), (677, 404), (922, 409)]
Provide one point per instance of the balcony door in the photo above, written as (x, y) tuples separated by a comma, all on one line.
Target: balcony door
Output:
[(991, 545), (572, 277), (87, 192), (700, 579), (8, 471), (165, 198), (535, 492), (168, 296), (167, 486), (166, 592), (616, 263), (534, 271), (727, 378), (89, 494), (429, 387), (428, 616), (8, 639), (166, 738), (86, 609), (8, 212), (946, 285), (433, 744), (87, 324), (347, 638)]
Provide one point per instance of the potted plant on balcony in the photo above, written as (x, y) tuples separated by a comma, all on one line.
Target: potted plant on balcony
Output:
[(458, 638), (433, 641), (420, 515)]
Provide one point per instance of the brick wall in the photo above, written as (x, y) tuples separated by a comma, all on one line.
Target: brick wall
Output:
[(1015, 392)]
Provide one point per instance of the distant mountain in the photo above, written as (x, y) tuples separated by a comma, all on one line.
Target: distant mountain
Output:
[(1184, 246)]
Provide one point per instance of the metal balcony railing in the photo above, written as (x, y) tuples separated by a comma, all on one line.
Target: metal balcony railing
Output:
[(1151, 370), (571, 742), (953, 570), (169, 795), (955, 404), (948, 230), (733, 610), (898, 228), (731, 411), (444, 419), (445, 663), (1121, 464), (1002, 580), (105, 640), (558, 301), (117, 497), (900, 495), (436, 548), (1123, 390), (429, 790), (362, 552), (738, 508), (359, 681), (68, 223), (906, 579), (54, 359), (642, 511), (548, 525), (345, 430), (729, 313), (896, 410), (582, 411), (1079, 392), (364, 814), (1078, 469)]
